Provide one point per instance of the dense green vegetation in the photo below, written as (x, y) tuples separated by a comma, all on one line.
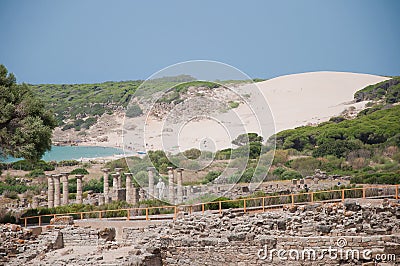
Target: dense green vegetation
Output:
[(388, 91), (82, 104), (25, 124), (330, 138), (11, 186), (83, 101)]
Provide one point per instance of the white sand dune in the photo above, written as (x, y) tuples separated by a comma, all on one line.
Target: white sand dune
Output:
[(314, 97), (294, 100)]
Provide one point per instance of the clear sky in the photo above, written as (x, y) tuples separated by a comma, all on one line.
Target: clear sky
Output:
[(78, 41)]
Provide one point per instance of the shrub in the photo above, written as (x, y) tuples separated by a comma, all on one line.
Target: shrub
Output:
[(10, 194), (288, 175), (233, 104), (79, 171), (376, 178), (29, 166), (134, 110), (396, 157), (211, 176), (192, 154), (36, 173), (95, 185), (280, 157), (305, 165), (224, 205), (6, 216), (68, 163), (279, 171)]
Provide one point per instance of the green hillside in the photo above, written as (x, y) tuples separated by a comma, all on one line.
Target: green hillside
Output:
[(388, 91), (338, 138), (77, 101), (84, 103)]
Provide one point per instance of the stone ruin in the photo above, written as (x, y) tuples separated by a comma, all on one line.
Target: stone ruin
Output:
[(229, 238), (174, 191)]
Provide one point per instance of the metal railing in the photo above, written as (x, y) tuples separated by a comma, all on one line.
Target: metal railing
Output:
[(240, 205)]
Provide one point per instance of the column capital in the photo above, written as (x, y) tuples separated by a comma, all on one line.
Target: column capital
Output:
[(65, 173), (114, 175), (151, 168), (180, 170), (128, 174), (106, 170), (118, 169), (170, 168), (79, 176)]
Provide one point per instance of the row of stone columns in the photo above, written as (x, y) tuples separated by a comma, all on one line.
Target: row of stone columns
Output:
[(53, 189), (172, 198), (132, 194)]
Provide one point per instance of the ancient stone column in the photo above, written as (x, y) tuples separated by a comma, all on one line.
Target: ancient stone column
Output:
[(35, 202), (79, 189), (150, 171), (56, 180), (135, 195), (115, 186), (101, 200), (65, 188), (179, 193), (105, 185), (50, 191), (171, 189), (142, 194), (118, 172), (128, 194)]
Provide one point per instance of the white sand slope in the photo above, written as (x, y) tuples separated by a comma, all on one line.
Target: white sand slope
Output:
[(314, 97), (294, 100)]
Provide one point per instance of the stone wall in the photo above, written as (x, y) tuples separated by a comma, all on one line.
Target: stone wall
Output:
[(19, 245), (236, 239), (231, 238), (78, 236)]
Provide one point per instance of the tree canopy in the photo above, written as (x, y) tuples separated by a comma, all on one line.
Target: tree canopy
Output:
[(25, 124)]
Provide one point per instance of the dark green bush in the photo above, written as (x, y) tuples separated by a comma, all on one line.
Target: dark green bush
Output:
[(79, 171), (134, 110), (211, 176), (288, 175)]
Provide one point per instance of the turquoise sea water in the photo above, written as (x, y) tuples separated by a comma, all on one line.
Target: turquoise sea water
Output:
[(59, 153)]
